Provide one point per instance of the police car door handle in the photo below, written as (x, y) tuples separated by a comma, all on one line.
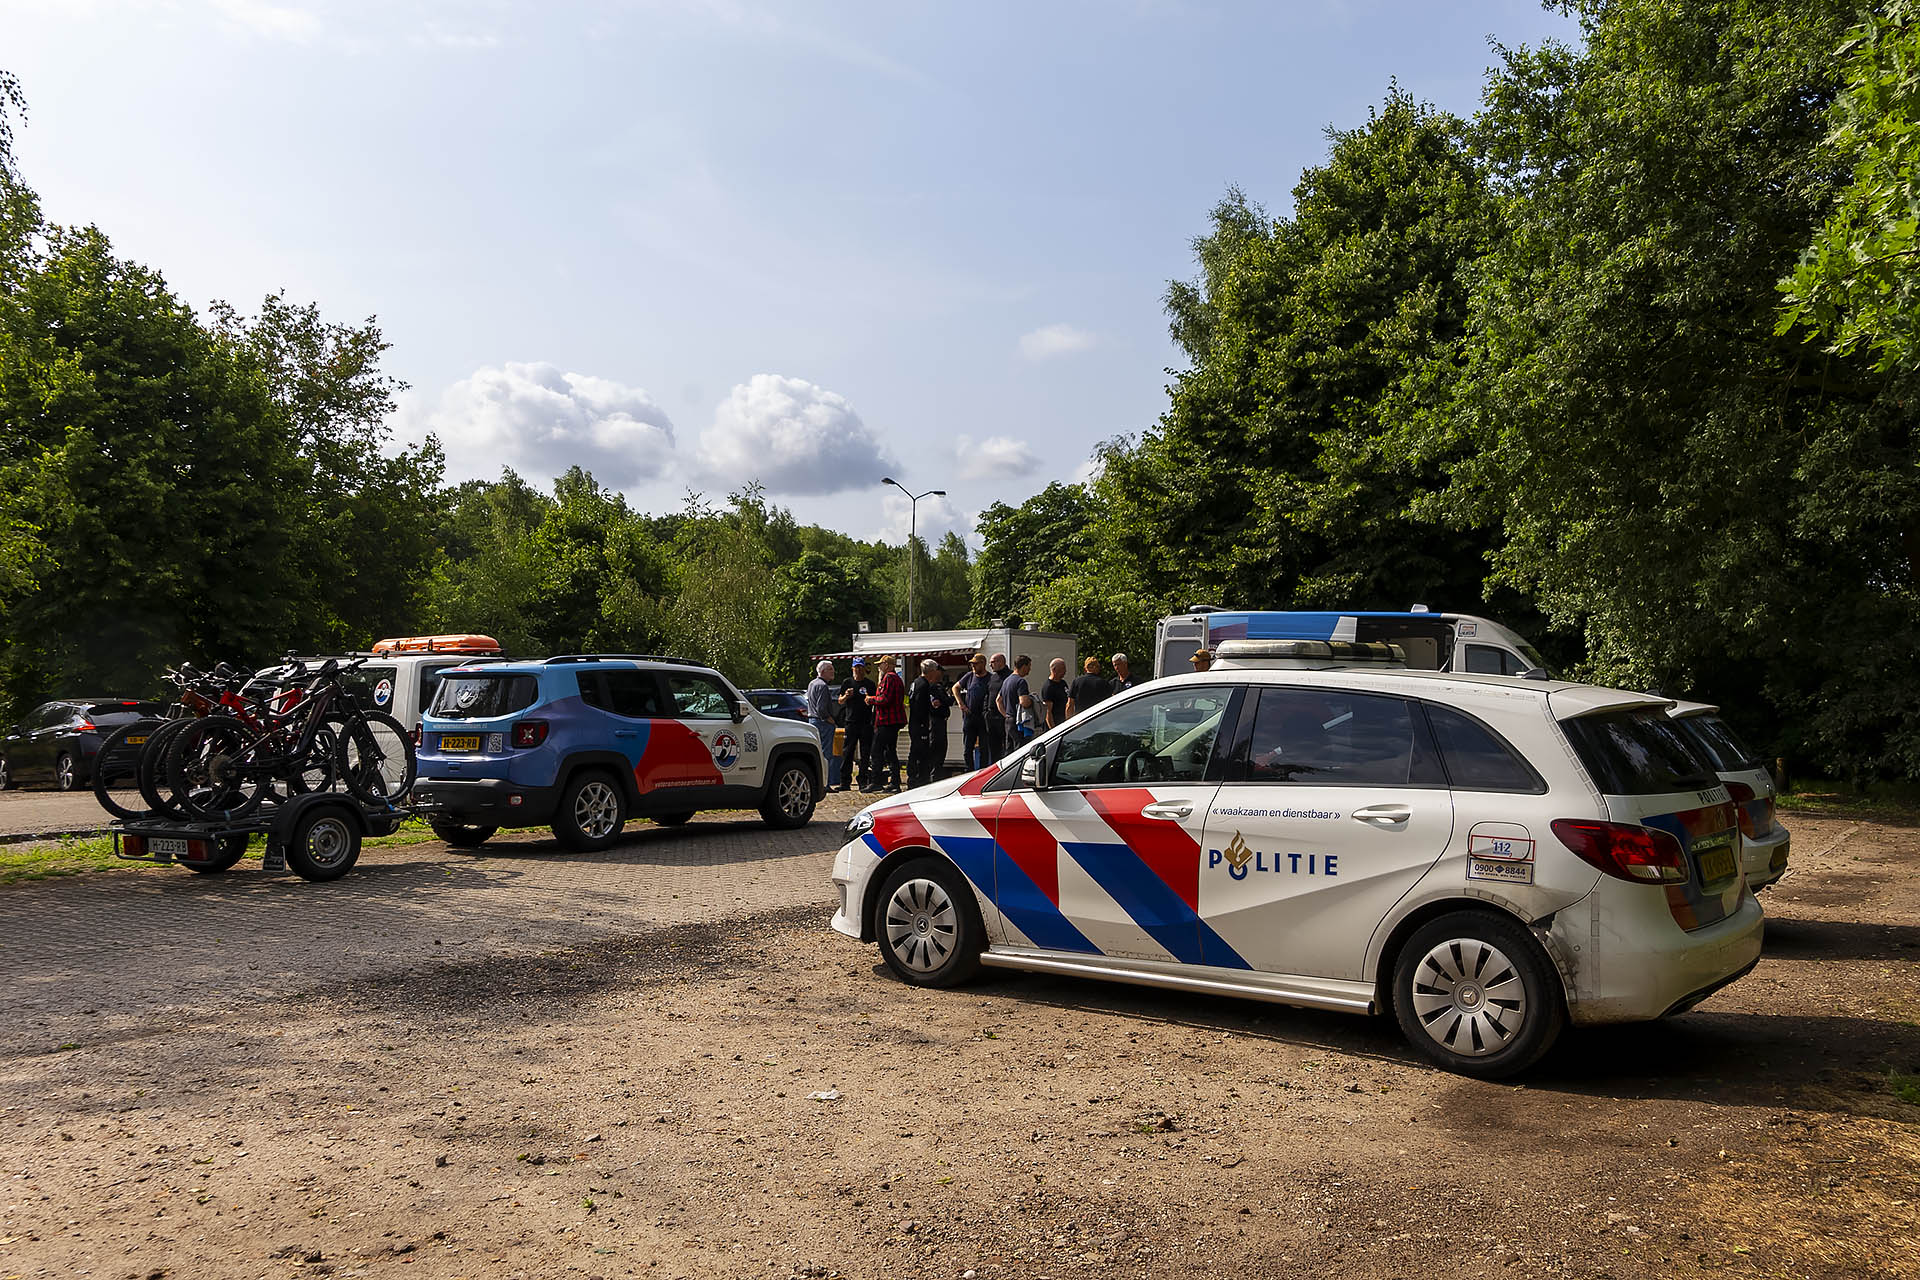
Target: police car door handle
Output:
[(1383, 815), (626, 733), (1169, 810)]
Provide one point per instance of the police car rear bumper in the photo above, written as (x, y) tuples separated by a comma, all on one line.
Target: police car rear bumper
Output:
[(485, 801)]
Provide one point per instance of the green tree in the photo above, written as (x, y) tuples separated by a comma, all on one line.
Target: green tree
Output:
[(1858, 283), (1714, 504), (1023, 547), (1281, 473), (817, 604), (149, 451)]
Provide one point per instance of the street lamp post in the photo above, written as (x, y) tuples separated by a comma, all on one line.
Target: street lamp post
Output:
[(913, 528)]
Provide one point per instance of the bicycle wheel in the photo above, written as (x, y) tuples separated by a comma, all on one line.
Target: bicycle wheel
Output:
[(151, 772), (211, 772), (116, 770), (319, 769), (376, 758)]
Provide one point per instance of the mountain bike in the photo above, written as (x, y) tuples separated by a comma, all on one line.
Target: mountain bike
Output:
[(224, 767)]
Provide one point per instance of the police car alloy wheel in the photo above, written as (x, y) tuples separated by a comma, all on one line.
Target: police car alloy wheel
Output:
[(1473, 993), (929, 928)]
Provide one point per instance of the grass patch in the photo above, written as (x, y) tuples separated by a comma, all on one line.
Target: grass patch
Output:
[(1905, 1087), (84, 855), (72, 857), (1896, 800)]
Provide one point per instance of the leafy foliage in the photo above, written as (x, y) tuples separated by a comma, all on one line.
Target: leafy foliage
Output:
[(1858, 283)]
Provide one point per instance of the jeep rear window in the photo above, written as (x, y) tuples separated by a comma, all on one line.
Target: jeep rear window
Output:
[(476, 697), (1721, 745), (1640, 752)]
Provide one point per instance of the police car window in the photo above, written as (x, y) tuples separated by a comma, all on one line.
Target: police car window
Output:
[(1330, 738), (698, 698), (1640, 752), (1485, 660), (1476, 757), (1164, 737), (1722, 746), (366, 684)]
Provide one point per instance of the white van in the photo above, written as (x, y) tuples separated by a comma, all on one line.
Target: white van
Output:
[(1456, 642), (401, 673)]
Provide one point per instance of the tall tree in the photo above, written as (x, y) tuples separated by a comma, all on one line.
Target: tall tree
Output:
[(1858, 283), (1280, 473), (1712, 502)]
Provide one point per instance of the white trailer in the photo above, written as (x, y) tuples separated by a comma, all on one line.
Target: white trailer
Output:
[(951, 649)]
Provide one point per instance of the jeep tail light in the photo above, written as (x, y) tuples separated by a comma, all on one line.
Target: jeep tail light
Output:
[(1756, 814), (418, 736), (1624, 850), (529, 733)]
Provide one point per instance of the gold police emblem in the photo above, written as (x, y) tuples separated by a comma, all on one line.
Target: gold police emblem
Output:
[(1238, 853)]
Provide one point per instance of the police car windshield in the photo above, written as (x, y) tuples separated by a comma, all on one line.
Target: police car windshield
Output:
[(472, 697)]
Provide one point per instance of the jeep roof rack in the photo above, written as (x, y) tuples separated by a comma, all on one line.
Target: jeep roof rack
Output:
[(623, 657)]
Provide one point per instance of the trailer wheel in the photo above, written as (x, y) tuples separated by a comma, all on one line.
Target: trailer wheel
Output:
[(324, 845), (230, 850)]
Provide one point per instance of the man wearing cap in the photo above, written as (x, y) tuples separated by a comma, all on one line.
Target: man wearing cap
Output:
[(926, 708), (857, 719), (973, 691), (889, 703), (1202, 659), (820, 711)]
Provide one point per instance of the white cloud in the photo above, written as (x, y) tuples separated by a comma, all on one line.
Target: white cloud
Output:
[(995, 458), (1053, 340), (937, 517), (793, 437), (540, 420), (274, 21)]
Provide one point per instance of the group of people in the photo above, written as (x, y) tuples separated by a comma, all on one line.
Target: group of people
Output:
[(1000, 711)]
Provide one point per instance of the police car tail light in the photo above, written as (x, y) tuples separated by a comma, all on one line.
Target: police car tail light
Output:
[(1756, 815), (529, 733), (1623, 850)]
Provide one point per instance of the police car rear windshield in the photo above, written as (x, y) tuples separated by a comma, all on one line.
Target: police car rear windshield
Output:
[(478, 696), (1721, 744), (1639, 753)]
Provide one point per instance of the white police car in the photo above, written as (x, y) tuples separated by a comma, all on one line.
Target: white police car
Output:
[(1765, 843), (1485, 857)]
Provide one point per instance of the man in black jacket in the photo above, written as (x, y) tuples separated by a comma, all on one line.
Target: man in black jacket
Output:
[(926, 716), (858, 724)]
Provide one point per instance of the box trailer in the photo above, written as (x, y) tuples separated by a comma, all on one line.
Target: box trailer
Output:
[(951, 649)]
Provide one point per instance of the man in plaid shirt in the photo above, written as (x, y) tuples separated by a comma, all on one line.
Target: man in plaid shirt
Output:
[(889, 703)]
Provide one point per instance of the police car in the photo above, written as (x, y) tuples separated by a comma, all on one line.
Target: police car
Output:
[(582, 742), (1483, 857), (1764, 841)]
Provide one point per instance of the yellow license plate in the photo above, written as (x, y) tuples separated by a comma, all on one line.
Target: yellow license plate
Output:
[(459, 742), (135, 742), (1716, 864)]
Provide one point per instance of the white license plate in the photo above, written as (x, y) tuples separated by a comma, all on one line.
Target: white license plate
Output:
[(173, 848)]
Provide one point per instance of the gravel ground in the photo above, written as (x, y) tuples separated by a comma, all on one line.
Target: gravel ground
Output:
[(714, 1085)]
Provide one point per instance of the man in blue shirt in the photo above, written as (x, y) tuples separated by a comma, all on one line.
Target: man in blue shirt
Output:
[(820, 715), (973, 691)]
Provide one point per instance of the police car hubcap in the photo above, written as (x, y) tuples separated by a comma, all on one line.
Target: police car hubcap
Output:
[(1469, 997), (595, 809), (921, 925)]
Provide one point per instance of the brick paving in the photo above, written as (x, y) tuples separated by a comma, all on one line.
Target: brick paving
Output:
[(109, 949)]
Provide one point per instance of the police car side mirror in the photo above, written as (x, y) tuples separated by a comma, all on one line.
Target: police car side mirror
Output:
[(1030, 770)]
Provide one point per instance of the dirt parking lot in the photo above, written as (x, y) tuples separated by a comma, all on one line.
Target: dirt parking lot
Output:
[(659, 1062)]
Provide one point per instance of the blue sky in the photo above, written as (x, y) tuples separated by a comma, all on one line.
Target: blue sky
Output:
[(693, 242)]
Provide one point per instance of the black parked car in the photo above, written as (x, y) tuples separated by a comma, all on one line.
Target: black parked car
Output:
[(779, 702), (58, 741)]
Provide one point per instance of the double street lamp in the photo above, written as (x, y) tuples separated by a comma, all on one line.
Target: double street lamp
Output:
[(913, 526)]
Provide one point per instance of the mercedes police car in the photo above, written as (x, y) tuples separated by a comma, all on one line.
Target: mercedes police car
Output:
[(1484, 857)]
